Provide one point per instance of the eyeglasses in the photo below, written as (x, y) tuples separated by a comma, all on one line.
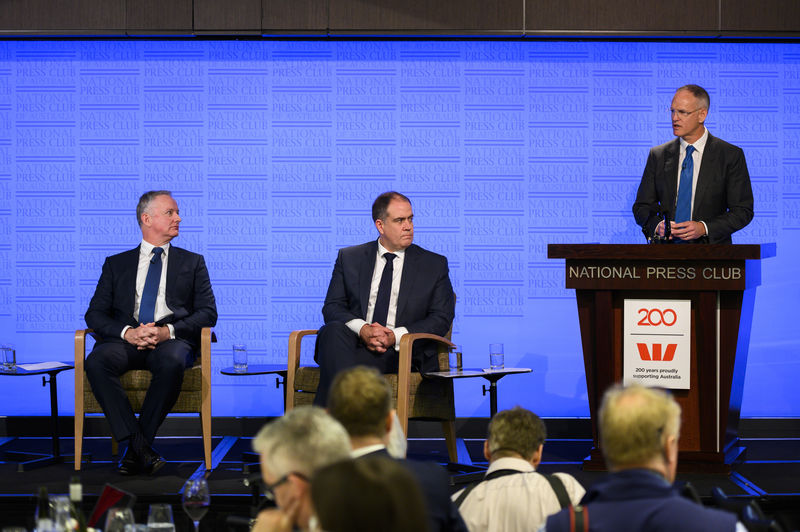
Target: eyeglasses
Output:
[(269, 489), (681, 113)]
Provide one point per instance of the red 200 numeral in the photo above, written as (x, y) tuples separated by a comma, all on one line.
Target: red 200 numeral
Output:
[(655, 317)]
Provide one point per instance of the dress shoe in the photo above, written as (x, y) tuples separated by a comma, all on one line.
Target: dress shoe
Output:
[(150, 461), (129, 463)]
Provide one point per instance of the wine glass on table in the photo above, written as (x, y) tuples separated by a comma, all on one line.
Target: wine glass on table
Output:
[(159, 518), (196, 500), (118, 519)]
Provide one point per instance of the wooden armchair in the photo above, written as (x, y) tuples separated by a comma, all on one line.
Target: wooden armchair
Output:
[(415, 397), (195, 393)]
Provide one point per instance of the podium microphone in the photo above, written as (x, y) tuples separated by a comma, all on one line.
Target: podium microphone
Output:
[(667, 232)]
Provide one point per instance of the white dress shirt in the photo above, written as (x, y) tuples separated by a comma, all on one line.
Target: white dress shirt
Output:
[(397, 274), (514, 503), (162, 310)]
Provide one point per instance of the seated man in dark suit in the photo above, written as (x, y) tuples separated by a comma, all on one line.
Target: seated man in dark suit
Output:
[(701, 182), (148, 309), (380, 291), (361, 400), (639, 429)]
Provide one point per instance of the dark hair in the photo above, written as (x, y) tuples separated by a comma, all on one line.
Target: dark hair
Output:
[(700, 93), (368, 494), (144, 202), (381, 204), (360, 399), (518, 431)]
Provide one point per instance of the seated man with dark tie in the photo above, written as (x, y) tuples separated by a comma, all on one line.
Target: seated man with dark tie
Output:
[(148, 309), (380, 291), (697, 180)]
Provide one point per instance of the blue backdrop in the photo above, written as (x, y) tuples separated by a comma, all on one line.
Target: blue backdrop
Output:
[(275, 150)]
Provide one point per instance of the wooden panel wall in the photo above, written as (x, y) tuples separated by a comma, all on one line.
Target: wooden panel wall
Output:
[(69, 16), (295, 16), (231, 16), (622, 16), (634, 18), (159, 17), (426, 15), (761, 16)]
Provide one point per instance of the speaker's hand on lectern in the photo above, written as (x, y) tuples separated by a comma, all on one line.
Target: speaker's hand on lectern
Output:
[(690, 230)]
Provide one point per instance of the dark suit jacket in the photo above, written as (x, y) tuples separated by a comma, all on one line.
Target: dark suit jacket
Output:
[(188, 294), (723, 196), (425, 303), (435, 486)]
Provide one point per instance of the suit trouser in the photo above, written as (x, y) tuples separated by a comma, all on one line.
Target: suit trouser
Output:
[(338, 348), (167, 362)]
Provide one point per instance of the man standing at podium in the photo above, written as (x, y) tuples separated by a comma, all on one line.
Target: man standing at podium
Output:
[(699, 181)]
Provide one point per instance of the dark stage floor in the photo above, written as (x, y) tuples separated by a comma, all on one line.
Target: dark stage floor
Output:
[(769, 472)]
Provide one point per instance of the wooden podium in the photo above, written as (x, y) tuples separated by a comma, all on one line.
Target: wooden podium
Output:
[(720, 282)]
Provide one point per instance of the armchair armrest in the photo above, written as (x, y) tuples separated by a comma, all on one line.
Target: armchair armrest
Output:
[(404, 370), (295, 341)]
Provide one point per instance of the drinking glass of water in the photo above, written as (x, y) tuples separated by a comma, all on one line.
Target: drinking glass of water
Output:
[(159, 518), (196, 500), (9, 357), (496, 356), (239, 358)]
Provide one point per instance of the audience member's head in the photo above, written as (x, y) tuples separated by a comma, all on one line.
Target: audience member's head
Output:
[(292, 448), (517, 433), (361, 400), (373, 493), (639, 428)]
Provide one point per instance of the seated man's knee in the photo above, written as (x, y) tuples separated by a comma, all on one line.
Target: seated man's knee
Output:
[(333, 329), (100, 360), (93, 366), (173, 361)]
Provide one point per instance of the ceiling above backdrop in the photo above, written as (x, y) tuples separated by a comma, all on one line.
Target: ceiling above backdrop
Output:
[(387, 18)]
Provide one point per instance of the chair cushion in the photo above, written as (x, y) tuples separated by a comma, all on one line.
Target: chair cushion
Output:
[(428, 398), (137, 381)]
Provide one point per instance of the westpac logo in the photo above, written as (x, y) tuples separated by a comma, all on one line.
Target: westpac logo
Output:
[(657, 352), (655, 317)]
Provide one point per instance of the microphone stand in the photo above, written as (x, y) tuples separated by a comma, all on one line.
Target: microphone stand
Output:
[(666, 239)]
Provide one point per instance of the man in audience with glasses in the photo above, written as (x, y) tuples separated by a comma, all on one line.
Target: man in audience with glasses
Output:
[(698, 182), (291, 449)]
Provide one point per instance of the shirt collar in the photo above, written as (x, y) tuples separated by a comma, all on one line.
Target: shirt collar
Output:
[(699, 144), (146, 249), (382, 250), (361, 451), (509, 462)]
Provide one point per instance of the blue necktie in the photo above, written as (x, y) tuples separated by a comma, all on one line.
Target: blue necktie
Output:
[(381, 311), (147, 308), (683, 208)]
